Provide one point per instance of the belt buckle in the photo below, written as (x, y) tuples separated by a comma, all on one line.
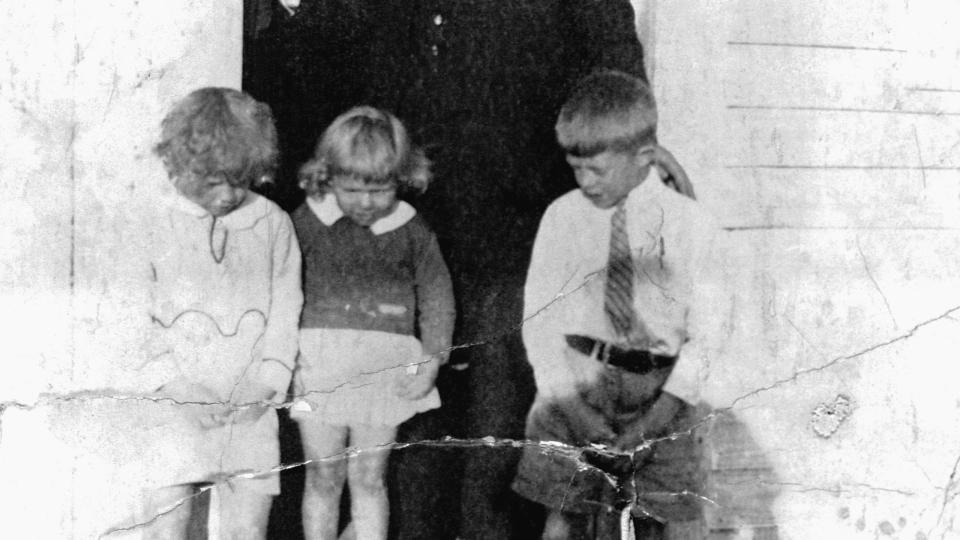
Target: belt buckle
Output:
[(601, 351)]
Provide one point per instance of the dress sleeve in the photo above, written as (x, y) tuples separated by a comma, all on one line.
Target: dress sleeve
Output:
[(281, 335), (436, 311)]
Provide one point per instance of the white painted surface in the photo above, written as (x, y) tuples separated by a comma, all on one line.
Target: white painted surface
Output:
[(83, 86), (822, 135)]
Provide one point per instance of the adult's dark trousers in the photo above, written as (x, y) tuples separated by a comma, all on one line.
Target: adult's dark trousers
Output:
[(423, 476), (500, 392), (442, 492)]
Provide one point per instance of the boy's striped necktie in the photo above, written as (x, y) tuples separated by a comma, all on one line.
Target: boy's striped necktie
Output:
[(618, 298)]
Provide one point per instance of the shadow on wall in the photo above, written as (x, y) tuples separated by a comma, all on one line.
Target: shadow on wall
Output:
[(741, 484)]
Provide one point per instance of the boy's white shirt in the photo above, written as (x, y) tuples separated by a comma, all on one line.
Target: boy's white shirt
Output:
[(329, 212), (679, 292)]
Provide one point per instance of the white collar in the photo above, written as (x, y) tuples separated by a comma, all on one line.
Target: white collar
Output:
[(650, 188), (187, 206), (328, 212), (252, 210)]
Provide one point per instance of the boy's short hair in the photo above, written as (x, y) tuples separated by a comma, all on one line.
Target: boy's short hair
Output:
[(607, 110), (367, 143), (219, 131)]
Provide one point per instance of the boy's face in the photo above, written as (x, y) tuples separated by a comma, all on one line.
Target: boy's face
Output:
[(212, 193), (362, 202), (606, 178)]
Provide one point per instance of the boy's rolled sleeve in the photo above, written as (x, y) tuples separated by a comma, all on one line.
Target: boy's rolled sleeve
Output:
[(542, 334), (710, 314)]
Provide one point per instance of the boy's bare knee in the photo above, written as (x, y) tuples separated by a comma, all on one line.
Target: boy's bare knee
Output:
[(556, 527)]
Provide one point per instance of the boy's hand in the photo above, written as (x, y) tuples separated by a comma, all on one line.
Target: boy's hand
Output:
[(414, 384), (586, 423), (671, 172), (635, 443), (199, 401)]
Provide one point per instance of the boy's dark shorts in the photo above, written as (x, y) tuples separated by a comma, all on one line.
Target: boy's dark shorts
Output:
[(667, 475)]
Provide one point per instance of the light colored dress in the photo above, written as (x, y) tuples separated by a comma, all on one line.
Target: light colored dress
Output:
[(224, 296)]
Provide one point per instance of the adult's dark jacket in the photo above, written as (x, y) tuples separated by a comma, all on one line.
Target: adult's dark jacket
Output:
[(479, 84)]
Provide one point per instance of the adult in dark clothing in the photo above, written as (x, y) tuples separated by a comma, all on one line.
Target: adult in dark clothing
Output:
[(479, 83)]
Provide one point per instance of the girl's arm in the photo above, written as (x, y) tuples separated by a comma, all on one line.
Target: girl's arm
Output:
[(435, 315), (436, 312)]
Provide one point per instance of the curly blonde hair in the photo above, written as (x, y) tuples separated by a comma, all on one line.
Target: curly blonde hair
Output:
[(368, 143), (215, 131)]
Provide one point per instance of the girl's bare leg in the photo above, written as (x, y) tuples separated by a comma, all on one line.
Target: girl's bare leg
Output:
[(366, 471), (325, 444)]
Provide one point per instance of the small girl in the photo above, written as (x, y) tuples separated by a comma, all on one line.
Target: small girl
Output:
[(374, 281)]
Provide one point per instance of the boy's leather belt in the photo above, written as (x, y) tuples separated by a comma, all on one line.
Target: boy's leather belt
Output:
[(632, 360)]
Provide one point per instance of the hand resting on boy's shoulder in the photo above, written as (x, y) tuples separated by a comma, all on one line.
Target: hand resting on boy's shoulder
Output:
[(671, 172)]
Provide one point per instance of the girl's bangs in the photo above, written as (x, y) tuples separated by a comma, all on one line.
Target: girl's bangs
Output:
[(374, 161)]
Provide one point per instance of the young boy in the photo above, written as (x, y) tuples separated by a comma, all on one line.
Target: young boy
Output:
[(225, 307), (617, 270)]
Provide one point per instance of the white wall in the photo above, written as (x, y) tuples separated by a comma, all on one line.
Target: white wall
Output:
[(83, 86), (826, 136)]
